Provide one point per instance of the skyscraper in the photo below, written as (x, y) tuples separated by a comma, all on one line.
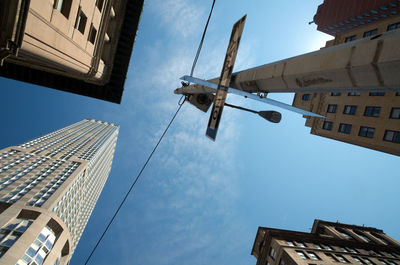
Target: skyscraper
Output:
[(48, 189), (327, 243)]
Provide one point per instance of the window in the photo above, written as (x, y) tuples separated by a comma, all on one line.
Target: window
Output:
[(392, 136), (395, 114), (290, 243), (99, 4), (359, 233), (370, 33), (350, 38), (313, 255), (344, 249), (393, 26), (301, 254), (305, 97), (92, 34), (327, 247), (327, 125), (64, 6), (301, 244), (352, 250), (397, 93), (366, 132), (383, 262), (355, 93), (350, 109), (345, 128), (359, 261), (332, 108), (371, 111), (375, 94), (317, 246), (336, 94), (81, 20), (341, 258), (272, 253)]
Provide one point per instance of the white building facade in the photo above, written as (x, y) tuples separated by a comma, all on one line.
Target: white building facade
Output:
[(48, 189)]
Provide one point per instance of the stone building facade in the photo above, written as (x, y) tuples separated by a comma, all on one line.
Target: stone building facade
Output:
[(327, 243)]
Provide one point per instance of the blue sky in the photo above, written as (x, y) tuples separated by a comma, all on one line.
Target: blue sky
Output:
[(198, 201)]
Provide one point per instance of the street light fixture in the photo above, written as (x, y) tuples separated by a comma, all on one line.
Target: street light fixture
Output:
[(269, 115)]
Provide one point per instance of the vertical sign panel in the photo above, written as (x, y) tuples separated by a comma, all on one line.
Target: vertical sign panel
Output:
[(225, 78)]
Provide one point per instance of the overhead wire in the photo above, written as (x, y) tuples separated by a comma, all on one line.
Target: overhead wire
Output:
[(180, 103)]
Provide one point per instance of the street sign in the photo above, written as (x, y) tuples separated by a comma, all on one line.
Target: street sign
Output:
[(213, 87), (225, 78)]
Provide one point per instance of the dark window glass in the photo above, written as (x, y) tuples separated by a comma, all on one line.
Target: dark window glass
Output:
[(371, 111), (350, 109), (64, 6), (81, 20), (395, 114), (355, 93), (345, 128), (377, 93), (336, 94), (393, 26), (92, 34), (313, 255), (350, 38), (99, 4), (301, 254), (366, 132), (327, 125), (370, 33), (397, 93), (332, 108), (341, 258), (306, 97), (392, 136)]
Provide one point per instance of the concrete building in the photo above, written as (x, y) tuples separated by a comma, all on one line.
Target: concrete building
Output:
[(82, 47), (48, 189), (369, 119), (327, 243)]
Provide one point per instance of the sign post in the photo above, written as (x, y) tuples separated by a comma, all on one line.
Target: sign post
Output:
[(225, 79)]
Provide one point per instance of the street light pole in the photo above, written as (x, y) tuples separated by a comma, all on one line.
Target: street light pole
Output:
[(272, 116)]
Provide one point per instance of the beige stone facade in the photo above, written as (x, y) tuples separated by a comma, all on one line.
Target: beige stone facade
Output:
[(328, 243), (53, 42), (48, 188), (366, 119)]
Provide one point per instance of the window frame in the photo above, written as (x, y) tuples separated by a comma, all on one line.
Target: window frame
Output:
[(372, 111), (352, 109), (392, 112), (332, 108), (345, 128), (367, 133)]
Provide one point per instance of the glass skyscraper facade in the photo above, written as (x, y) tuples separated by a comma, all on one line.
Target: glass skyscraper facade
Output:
[(48, 189)]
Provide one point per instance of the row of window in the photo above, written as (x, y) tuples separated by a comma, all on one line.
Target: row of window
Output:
[(370, 111), (64, 6), (340, 258), (373, 32), (307, 97), (390, 136), (368, 17), (343, 249)]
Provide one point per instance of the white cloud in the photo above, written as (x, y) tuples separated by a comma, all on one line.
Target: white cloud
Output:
[(179, 17)]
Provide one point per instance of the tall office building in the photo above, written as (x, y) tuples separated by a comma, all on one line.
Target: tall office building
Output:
[(370, 119), (48, 189), (82, 47), (327, 243)]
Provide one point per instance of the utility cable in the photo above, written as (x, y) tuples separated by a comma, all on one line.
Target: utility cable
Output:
[(180, 103), (202, 39)]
